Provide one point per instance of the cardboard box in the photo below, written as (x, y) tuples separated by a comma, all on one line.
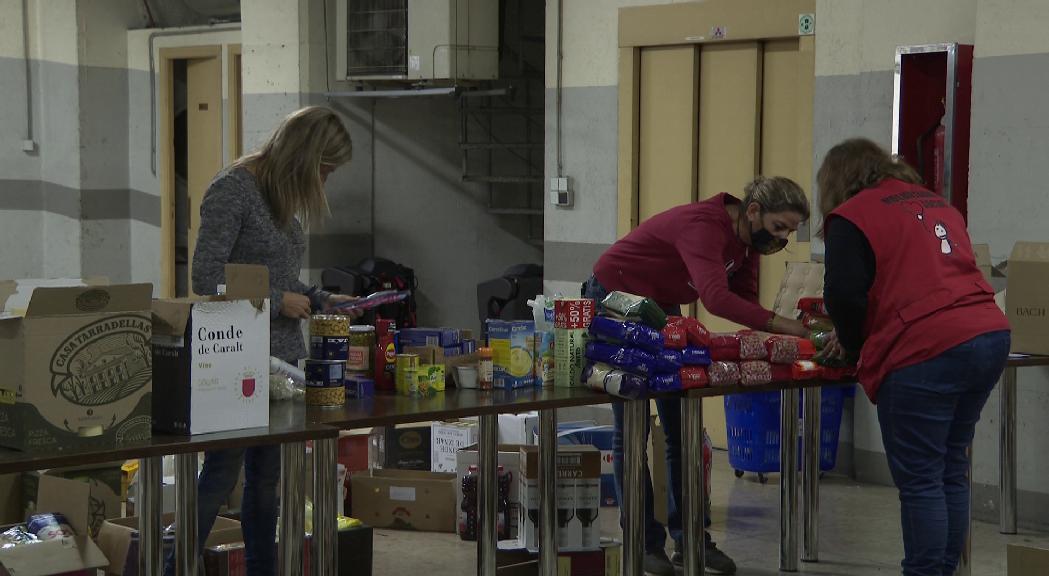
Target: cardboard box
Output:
[(518, 428), (509, 458), (405, 500), (407, 448), (1026, 560), (85, 495), (12, 510), (70, 556), (578, 498), (355, 553), (513, 345), (607, 561), (1026, 299), (119, 540), (447, 438), (212, 357), (600, 437), (437, 337), (78, 364)]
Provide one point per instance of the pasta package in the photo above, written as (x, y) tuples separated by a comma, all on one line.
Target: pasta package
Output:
[(695, 356), (694, 377), (664, 382), (723, 373), (724, 347), (608, 379), (805, 370), (752, 345), (695, 332), (635, 308), (782, 373), (788, 349), (630, 359), (624, 332), (669, 361), (755, 373), (813, 306), (675, 336)]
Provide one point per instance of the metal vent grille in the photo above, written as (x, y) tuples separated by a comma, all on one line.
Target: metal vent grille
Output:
[(377, 38)]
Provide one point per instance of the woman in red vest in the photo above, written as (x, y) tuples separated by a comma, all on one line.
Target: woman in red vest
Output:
[(904, 292), (707, 251)]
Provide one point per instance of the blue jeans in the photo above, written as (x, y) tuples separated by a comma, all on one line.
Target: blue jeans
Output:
[(669, 410), (259, 508), (928, 414)]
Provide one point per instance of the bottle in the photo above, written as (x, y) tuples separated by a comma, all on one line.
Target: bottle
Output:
[(504, 503), (468, 510), (485, 370)]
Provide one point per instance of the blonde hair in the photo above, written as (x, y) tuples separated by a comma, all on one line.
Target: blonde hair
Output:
[(776, 194), (853, 166), (287, 166)]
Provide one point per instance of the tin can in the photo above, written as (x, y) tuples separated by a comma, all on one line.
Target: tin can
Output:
[(329, 348), (407, 374), (329, 325), (325, 396), (324, 373), (361, 348), (49, 526)]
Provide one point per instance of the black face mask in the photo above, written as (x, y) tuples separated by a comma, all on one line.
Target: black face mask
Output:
[(763, 242)]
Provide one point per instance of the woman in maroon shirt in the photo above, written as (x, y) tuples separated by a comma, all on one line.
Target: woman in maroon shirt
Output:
[(707, 251)]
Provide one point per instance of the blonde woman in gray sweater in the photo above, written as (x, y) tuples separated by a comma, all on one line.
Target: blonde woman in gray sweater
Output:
[(253, 213)]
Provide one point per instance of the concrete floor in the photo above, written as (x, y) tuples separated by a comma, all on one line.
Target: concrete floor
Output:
[(859, 533)]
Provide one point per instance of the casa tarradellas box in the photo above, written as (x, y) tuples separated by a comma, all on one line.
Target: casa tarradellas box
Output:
[(212, 357), (77, 365)]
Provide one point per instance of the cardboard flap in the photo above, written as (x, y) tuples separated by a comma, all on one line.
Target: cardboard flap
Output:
[(57, 556), (69, 497), (247, 282), (170, 317), (1030, 252), (90, 300)]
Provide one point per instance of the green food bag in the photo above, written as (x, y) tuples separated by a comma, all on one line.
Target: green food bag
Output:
[(635, 309)]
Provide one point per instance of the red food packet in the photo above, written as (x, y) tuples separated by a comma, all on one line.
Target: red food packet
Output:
[(788, 349), (805, 370), (675, 336), (782, 373), (695, 332), (817, 321), (724, 347), (694, 377), (812, 306), (755, 373), (752, 345), (723, 374)]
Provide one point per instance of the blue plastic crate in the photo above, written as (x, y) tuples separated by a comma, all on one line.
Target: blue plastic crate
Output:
[(753, 427)]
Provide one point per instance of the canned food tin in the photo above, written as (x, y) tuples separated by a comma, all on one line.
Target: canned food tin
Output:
[(324, 373), (361, 348), (329, 347), (407, 369), (49, 526), (325, 396), (329, 325)]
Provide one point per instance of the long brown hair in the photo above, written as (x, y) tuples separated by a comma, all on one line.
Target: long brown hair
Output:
[(853, 166), (287, 166)]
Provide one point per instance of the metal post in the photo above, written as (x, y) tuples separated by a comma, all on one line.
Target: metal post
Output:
[(811, 477), (1007, 453), (487, 494), (186, 552), (634, 427), (693, 484), (965, 567), (788, 496), (325, 557), (292, 507), (149, 507), (548, 492)]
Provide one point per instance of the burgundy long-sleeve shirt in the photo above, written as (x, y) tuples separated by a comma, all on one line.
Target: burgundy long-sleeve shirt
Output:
[(689, 253)]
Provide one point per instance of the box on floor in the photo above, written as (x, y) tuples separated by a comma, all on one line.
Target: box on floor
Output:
[(407, 447), (446, 439), (405, 500), (68, 556), (77, 361), (1026, 300), (1026, 560), (606, 561), (12, 507), (85, 495), (578, 495), (600, 437), (212, 357)]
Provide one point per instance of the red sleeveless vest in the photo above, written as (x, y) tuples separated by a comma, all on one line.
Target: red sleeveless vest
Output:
[(928, 295)]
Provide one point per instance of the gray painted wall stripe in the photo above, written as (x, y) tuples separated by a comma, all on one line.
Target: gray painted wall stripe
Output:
[(570, 261), (93, 204)]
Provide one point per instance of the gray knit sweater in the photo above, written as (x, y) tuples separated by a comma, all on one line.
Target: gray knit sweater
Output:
[(236, 226)]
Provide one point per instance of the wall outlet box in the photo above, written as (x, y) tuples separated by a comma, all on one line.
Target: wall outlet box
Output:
[(28, 146), (560, 195)]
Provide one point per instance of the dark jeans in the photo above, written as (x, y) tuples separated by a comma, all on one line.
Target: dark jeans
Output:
[(928, 414), (669, 410), (259, 508)]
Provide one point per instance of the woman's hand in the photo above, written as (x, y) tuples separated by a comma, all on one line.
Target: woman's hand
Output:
[(833, 349), (789, 326), (296, 306), (335, 299)]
